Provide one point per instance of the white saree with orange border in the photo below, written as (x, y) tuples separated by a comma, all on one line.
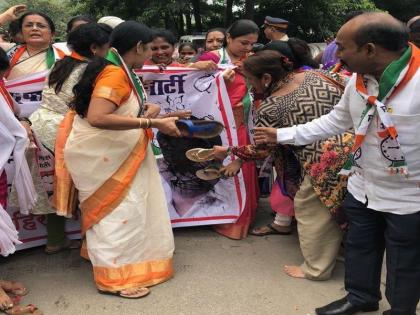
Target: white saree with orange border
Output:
[(125, 218)]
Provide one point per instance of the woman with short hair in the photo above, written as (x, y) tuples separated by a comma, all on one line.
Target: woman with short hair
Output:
[(86, 41), (36, 56)]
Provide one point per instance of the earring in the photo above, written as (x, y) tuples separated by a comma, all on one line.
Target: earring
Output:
[(266, 85)]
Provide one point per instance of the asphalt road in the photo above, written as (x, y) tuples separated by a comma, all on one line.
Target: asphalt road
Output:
[(214, 275)]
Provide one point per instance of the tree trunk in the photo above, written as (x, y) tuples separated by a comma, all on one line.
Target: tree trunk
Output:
[(166, 20), (249, 9), (188, 20), (197, 16), (181, 25), (228, 13)]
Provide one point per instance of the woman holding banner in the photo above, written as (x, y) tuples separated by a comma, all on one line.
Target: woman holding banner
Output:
[(37, 54), (125, 218), (32, 61), (241, 35), (85, 42)]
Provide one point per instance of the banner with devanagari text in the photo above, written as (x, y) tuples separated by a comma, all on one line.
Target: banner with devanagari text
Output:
[(193, 201)]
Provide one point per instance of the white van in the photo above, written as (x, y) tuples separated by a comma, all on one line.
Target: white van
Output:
[(197, 40)]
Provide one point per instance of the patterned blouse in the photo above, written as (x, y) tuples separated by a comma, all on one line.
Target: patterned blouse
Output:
[(316, 96), (46, 119)]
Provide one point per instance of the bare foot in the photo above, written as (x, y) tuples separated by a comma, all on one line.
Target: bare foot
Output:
[(5, 301), (24, 310), (13, 287), (294, 271)]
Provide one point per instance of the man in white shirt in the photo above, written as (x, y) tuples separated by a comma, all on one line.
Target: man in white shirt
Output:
[(382, 103)]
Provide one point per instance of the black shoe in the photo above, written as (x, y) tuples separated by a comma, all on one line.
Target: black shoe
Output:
[(344, 307), (388, 312)]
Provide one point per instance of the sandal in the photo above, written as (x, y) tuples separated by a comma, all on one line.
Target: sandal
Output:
[(203, 129), (209, 173), (142, 292), (23, 310), (70, 244), (199, 155), (271, 230)]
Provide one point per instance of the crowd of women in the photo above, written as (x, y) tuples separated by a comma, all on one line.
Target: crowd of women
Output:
[(95, 121)]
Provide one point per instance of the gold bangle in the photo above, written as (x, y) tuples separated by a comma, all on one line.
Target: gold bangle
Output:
[(149, 123), (140, 123)]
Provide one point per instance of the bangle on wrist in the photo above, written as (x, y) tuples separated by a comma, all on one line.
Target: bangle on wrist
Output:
[(140, 123), (149, 123)]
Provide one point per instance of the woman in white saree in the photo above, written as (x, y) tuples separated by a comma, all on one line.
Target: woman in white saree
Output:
[(105, 147)]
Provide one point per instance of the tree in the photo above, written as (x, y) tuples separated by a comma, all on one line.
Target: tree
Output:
[(228, 13), (311, 20), (249, 9), (197, 16), (401, 9), (60, 12)]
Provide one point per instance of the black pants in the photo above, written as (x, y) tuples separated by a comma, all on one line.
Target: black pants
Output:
[(370, 233)]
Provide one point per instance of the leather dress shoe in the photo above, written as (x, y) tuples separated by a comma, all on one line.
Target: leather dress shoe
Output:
[(344, 307), (388, 312)]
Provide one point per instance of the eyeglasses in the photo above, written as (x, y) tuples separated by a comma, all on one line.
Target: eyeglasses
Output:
[(37, 25)]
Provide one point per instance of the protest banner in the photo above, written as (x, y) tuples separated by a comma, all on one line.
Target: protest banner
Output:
[(193, 201)]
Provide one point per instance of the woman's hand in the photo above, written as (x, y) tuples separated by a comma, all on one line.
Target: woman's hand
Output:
[(204, 65), (219, 152), (265, 135), (12, 13), (181, 114), (239, 65), (232, 169), (228, 75), (167, 126), (151, 110), (28, 129)]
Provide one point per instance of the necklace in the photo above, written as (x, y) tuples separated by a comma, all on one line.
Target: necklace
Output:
[(274, 87)]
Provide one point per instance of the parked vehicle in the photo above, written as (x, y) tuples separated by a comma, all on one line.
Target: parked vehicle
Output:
[(197, 40)]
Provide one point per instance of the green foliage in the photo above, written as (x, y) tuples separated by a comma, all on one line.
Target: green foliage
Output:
[(60, 11), (401, 9), (312, 20)]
